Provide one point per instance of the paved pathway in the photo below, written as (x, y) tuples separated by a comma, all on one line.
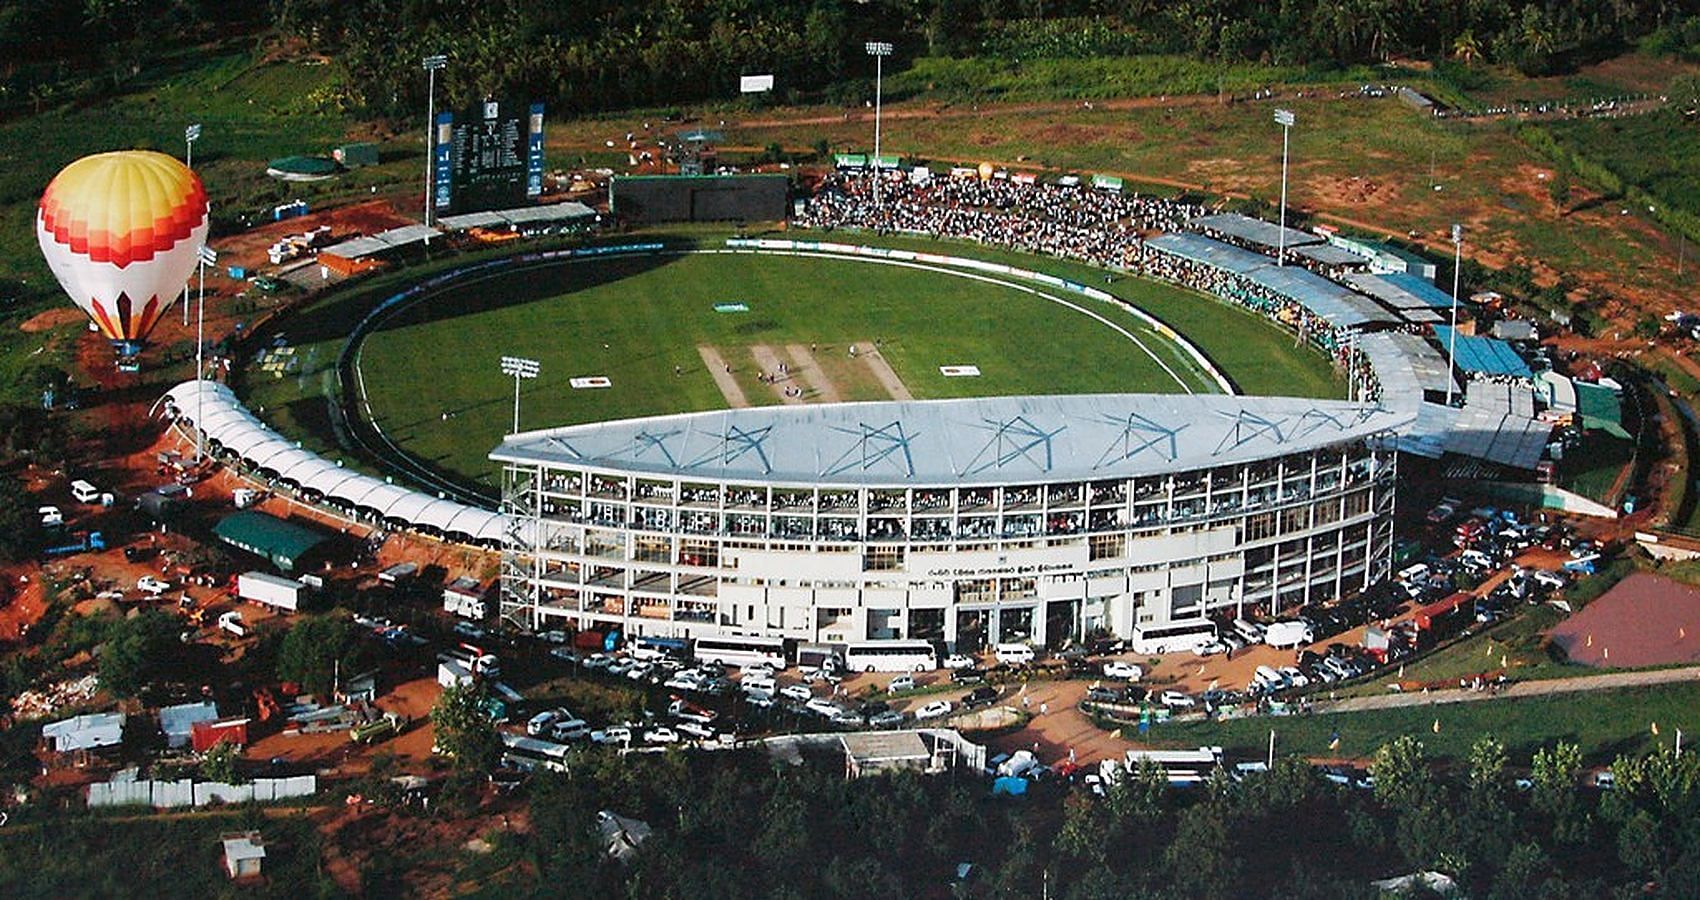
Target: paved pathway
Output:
[(883, 371), (1542, 688), (803, 364), (723, 377)]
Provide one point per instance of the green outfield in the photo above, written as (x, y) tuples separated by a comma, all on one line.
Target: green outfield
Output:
[(650, 325)]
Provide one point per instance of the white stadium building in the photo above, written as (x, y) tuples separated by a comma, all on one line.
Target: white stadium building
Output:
[(976, 521)]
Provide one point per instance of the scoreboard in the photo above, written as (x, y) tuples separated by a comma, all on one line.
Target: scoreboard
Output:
[(490, 157)]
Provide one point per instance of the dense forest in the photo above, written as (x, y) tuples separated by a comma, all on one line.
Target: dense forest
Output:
[(739, 826), (611, 54)]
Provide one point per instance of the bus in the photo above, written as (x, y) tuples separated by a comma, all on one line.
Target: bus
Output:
[(653, 648), (529, 753), (1171, 638), (818, 658), (891, 656), (741, 652)]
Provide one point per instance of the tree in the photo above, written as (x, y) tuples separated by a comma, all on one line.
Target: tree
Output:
[(1401, 773), (138, 651), (17, 521), (312, 650), (219, 762), (1467, 48), (463, 729)]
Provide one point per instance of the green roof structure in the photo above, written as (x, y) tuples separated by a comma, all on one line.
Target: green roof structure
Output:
[(285, 543), (1600, 407)]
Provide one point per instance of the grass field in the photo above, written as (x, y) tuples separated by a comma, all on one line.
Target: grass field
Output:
[(1603, 723), (640, 322)]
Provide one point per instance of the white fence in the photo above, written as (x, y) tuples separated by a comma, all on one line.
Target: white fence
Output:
[(186, 792)]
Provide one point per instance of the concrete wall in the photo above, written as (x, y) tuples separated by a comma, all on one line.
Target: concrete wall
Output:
[(186, 793)]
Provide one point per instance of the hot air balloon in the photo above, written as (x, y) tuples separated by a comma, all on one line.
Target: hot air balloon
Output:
[(122, 232)]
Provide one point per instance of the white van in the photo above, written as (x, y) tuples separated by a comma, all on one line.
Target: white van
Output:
[(84, 492), (752, 683), (1014, 654), (570, 730), (1253, 633)]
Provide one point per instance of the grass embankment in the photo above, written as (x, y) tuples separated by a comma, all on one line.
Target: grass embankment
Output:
[(1603, 723)]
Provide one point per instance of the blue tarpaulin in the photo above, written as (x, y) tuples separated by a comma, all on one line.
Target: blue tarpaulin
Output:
[(1482, 355), (1010, 785)]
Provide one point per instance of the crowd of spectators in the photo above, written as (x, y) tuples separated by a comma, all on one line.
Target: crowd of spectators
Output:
[(1077, 222), (1074, 222)]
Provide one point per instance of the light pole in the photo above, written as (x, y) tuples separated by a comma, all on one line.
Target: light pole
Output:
[(208, 257), (879, 50), (1284, 118), (1452, 336), (432, 65), (191, 134), (518, 368)]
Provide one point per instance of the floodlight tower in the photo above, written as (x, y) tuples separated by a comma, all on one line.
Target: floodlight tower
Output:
[(191, 134), (1284, 118), (433, 64), (208, 257), (1452, 336), (879, 50), (519, 368)]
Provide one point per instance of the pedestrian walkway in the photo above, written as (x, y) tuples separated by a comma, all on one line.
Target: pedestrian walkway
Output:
[(1545, 687)]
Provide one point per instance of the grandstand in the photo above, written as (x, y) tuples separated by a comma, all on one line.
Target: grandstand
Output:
[(969, 521)]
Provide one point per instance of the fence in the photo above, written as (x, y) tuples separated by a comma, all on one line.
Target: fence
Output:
[(187, 792)]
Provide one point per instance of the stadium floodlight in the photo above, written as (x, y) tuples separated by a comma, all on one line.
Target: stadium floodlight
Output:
[(1452, 336), (879, 50), (432, 64), (191, 134), (518, 368), (207, 257), (1285, 119)]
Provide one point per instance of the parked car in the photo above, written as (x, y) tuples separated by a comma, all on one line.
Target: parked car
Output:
[(980, 696), (660, 734), (598, 661), (823, 706), (470, 631), (1176, 700), (1101, 694), (617, 734), (1125, 671), (152, 586), (902, 683), (696, 730), (890, 718), (968, 676), (564, 654), (797, 692), (540, 723), (1210, 648), (959, 661), (937, 709)]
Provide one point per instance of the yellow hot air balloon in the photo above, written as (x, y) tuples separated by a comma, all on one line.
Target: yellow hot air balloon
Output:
[(122, 232)]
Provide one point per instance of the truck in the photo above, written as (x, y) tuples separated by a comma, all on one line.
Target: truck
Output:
[(269, 590), (376, 730), (79, 543), (467, 598), (1288, 634)]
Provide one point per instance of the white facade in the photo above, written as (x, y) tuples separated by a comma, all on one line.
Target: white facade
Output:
[(1255, 503)]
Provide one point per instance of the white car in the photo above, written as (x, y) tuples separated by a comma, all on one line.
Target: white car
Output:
[(541, 722), (621, 666), (1125, 671), (661, 734), (759, 699), (959, 661), (797, 692), (1210, 648), (823, 706), (1294, 676), (937, 709), (694, 729), (639, 671), (148, 584), (598, 661), (1176, 700), (902, 683), (618, 734)]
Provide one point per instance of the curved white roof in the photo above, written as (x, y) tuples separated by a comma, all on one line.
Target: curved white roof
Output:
[(239, 431), (993, 440)]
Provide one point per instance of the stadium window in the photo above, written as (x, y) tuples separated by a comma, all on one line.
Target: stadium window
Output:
[(1106, 546), (1295, 519), (1260, 526)]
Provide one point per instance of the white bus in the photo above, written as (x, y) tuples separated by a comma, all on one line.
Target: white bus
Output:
[(1171, 638), (741, 652), (891, 656), (529, 753)]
